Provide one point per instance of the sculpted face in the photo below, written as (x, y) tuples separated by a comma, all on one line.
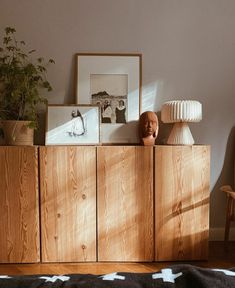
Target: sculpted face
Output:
[(148, 124)]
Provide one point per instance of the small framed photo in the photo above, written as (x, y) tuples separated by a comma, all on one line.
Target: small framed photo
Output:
[(72, 125), (113, 82)]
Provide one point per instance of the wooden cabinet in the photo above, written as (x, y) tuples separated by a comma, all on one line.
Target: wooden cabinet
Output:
[(68, 203), (182, 180), (98, 203), (125, 203), (19, 221)]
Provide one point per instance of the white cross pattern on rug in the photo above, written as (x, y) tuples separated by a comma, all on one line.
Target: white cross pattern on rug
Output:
[(226, 272), (55, 278), (112, 277), (4, 277), (167, 275)]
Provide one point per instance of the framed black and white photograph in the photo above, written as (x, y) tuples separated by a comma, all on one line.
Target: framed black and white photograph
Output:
[(73, 125), (113, 82)]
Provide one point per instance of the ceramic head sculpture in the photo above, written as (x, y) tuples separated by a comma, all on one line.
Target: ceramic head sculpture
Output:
[(148, 128)]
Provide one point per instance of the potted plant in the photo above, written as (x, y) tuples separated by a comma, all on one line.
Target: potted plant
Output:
[(21, 80)]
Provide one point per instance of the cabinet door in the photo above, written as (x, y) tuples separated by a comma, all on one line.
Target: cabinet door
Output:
[(19, 221), (68, 203), (182, 177), (125, 203)]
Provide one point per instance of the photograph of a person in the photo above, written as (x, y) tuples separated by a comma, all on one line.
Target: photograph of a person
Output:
[(72, 124), (120, 112), (106, 112), (78, 123), (109, 91)]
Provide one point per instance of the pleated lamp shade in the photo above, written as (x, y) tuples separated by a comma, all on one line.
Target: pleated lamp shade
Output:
[(181, 112)]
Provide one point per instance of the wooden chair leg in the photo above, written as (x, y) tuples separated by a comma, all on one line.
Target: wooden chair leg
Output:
[(229, 216)]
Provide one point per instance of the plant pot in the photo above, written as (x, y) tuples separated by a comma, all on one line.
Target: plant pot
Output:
[(17, 132)]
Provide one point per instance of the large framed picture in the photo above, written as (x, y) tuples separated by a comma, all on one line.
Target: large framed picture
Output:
[(113, 82), (73, 125)]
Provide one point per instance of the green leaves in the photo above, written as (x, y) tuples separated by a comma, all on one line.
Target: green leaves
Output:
[(6, 40), (41, 68), (9, 30), (47, 85), (22, 55), (21, 80)]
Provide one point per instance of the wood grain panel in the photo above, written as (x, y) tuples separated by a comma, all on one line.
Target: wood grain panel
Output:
[(19, 221), (182, 177), (218, 258), (68, 203), (125, 203)]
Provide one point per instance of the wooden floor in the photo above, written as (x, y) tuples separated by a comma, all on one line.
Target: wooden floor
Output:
[(218, 258)]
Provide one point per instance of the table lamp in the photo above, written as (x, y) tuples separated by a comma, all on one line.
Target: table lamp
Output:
[(181, 112)]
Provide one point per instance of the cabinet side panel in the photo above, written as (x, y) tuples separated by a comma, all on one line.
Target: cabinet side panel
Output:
[(181, 202), (68, 203), (201, 184), (19, 221), (125, 203)]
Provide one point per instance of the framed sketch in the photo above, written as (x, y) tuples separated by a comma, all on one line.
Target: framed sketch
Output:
[(72, 125), (113, 82)]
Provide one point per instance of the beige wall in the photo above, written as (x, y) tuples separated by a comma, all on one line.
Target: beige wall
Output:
[(188, 49)]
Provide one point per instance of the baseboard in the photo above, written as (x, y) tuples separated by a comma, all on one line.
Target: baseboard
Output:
[(217, 234)]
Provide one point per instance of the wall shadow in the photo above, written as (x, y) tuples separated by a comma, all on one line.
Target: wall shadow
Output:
[(164, 130), (226, 177)]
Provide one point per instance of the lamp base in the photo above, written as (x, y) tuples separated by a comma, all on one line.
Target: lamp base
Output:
[(180, 135)]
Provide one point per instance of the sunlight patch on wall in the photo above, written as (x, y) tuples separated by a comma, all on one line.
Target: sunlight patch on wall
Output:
[(152, 96)]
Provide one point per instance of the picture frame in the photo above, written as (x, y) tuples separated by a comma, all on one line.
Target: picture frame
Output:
[(114, 82), (72, 125)]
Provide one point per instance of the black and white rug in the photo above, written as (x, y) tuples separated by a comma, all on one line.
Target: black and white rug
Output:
[(176, 276)]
